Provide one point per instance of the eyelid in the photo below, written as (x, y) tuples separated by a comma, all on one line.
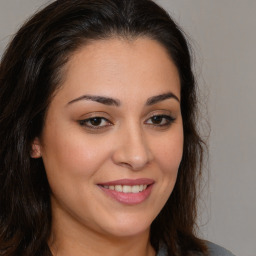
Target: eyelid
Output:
[(85, 119), (169, 118), (164, 114), (160, 112), (96, 114), (82, 122)]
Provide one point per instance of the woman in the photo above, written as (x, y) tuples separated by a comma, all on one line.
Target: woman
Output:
[(100, 151)]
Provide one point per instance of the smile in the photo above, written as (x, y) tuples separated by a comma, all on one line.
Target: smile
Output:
[(127, 191), (126, 188)]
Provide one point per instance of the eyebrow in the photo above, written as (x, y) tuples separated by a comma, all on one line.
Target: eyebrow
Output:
[(115, 102), (101, 99), (155, 99)]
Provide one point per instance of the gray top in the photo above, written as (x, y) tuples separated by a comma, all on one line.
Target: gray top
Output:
[(214, 250)]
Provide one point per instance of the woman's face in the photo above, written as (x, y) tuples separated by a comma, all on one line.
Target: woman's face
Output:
[(113, 137)]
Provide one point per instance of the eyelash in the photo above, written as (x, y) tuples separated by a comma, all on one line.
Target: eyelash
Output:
[(168, 121), (98, 118)]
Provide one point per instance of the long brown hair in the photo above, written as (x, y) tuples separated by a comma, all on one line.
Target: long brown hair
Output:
[(30, 73)]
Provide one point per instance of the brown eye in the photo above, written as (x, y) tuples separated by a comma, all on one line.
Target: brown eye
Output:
[(160, 120), (157, 119), (95, 122)]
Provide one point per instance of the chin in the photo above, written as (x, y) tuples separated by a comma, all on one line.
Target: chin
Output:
[(128, 228)]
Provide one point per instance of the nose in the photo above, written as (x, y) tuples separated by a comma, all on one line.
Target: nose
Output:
[(132, 150)]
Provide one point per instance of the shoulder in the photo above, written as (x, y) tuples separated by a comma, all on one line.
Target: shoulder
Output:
[(216, 250), (213, 250)]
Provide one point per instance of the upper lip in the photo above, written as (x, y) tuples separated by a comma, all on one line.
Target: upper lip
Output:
[(129, 182)]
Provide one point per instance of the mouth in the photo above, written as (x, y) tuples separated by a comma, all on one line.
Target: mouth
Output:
[(128, 191)]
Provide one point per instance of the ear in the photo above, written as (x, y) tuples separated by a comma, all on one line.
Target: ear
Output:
[(35, 149)]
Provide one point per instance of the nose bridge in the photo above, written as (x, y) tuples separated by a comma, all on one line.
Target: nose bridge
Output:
[(133, 149)]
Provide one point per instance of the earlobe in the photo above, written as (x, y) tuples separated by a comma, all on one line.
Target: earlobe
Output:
[(35, 149)]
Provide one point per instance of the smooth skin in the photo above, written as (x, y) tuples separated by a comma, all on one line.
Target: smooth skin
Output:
[(129, 132)]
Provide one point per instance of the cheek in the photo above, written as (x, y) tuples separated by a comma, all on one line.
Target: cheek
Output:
[(72, 161), (169, 153), (68, 152)]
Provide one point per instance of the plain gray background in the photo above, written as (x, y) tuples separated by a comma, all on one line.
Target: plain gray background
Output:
[(223, 35)]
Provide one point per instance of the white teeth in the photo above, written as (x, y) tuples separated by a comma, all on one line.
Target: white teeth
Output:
[(119, 188), (126, 188), (136, 189)]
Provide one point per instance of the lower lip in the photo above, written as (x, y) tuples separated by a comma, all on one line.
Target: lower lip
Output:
[(128, 198)]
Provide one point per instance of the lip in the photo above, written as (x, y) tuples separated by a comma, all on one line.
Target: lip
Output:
[(129, 182), (128, 198)]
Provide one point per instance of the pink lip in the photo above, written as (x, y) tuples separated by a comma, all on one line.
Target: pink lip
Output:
[(128, 198), (129, 182)]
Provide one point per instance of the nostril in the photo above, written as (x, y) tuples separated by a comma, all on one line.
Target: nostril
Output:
[(132, 150)]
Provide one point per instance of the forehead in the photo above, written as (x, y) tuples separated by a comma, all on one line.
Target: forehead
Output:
[(120, 67)]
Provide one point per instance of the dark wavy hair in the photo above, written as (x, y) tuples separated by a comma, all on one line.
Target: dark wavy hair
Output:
[(31, 71)]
